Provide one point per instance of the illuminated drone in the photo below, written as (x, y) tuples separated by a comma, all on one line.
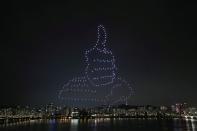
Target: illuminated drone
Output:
[(100, 84)]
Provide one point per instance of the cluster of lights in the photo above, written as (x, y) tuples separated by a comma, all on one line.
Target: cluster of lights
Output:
[(100, 48), (99, 73), (76, 87), (102, 77), (120, 85), (102, 60), (80, 90), (84, 99), (103, 68)]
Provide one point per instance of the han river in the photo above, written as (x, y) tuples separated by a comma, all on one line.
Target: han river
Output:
[(103, 125)]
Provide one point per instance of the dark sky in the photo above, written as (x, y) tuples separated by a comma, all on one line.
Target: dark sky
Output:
[(154, 43)]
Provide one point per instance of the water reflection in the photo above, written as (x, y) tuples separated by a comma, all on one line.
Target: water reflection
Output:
[(52, 125), (191, 124), (104, 124), (74, 124), (180, 125)]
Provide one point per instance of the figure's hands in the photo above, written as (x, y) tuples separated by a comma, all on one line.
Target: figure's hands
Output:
[(120, 92)]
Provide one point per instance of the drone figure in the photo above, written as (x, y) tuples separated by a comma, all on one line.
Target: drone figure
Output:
[(100, 84)]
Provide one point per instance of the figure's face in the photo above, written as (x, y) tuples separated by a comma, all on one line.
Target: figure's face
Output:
[(100, 68)]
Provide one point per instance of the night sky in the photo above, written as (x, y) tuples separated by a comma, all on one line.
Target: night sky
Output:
[(43, 44)]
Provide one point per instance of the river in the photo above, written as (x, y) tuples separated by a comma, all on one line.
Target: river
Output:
[(103, 125)]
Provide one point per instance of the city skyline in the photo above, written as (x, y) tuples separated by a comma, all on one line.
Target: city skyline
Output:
[(43, 46)]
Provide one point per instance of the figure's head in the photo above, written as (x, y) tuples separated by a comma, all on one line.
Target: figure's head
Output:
[(101, 67)]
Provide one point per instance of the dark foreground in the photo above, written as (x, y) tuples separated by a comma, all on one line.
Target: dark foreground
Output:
[(104, 125)]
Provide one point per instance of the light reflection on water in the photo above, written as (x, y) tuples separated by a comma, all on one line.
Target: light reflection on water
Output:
[(104, 124), (74, 124), (191, 125), (52, 125), (185, 125)]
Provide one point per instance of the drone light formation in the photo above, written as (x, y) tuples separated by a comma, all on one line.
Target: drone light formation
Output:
[(103, 74), (100, 84)]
